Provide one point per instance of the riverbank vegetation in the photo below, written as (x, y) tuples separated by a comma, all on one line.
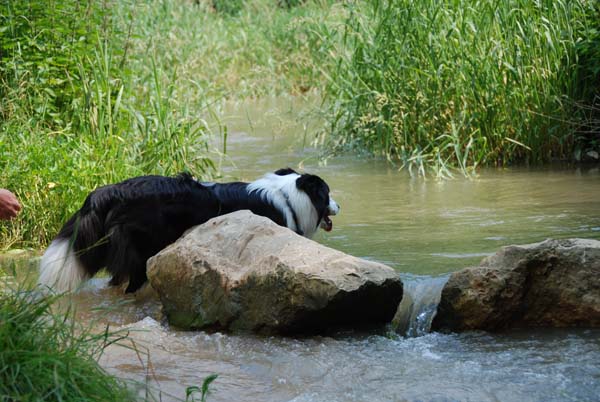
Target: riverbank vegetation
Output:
[(94, 92), (77, 113), (46, 356), (459, 84)]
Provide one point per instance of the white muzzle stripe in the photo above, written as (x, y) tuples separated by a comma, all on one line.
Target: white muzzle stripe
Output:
[(333, 208)]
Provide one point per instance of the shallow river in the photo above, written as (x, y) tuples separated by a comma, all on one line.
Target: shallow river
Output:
[(424, 229)]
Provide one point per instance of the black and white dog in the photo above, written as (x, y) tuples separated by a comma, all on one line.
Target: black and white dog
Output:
[(121, 225)]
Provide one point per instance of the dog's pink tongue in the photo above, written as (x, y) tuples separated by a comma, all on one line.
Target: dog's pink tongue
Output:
[(328, 224)]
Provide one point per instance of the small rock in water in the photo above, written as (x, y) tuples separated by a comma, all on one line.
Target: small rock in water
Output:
[(555, 283)]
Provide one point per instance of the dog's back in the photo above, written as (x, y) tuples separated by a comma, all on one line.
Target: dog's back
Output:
[(120, 226)]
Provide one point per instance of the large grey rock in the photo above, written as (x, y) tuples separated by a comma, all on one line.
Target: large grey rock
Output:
[(555, 283), (243, 272)]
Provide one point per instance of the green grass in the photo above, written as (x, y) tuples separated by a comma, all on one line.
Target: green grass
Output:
[(45, 356), (261, 50), (459, 84), (75, 116)]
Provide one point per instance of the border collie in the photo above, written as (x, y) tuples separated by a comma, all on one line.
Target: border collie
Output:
[(121, 225)]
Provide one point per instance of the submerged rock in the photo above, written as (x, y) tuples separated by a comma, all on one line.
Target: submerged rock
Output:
[(555, 283), (243, 272)]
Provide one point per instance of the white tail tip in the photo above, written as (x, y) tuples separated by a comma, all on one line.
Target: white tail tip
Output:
[(59, 268)]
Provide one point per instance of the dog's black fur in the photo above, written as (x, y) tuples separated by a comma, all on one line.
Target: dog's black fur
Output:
[(121, 225)]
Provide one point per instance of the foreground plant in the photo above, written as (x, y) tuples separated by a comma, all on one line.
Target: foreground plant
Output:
[(45, 356), (204, 390)]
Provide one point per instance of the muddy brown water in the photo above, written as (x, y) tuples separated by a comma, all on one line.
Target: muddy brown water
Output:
[(425, 229)]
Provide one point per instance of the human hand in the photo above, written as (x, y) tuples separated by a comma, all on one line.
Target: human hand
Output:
[(9, 205)]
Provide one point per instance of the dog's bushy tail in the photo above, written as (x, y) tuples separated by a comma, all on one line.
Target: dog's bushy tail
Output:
[(74, 255)]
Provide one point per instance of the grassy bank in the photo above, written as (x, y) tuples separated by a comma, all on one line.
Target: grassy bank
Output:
[(460, 83), (45, 356), (80, 109)]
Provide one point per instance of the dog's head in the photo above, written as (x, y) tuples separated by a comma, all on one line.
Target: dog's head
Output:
[(317, 192), (303, 199)]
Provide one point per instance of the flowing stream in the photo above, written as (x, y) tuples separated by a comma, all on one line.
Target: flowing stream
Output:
[(425, 229)]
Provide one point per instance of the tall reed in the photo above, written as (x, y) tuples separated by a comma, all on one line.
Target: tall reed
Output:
[(433, 84), (262, 49)]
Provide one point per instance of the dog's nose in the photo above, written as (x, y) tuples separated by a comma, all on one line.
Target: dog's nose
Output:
[(334, 207)]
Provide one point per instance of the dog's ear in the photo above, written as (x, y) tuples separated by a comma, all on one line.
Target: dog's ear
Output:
[(285, 171), (317, 190), (311, 184)]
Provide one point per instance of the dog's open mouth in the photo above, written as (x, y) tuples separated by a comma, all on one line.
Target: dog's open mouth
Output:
[(326, 224), (332, 209)]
